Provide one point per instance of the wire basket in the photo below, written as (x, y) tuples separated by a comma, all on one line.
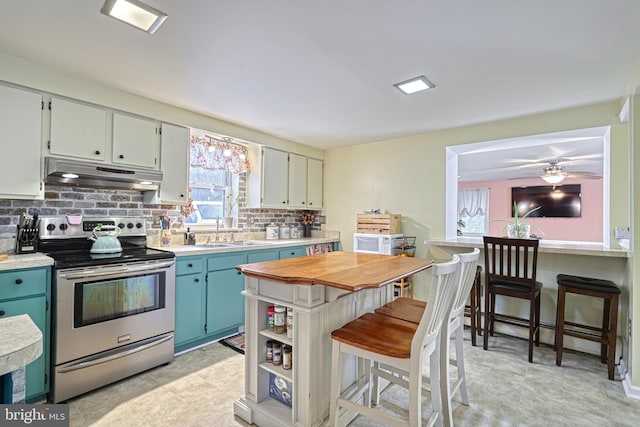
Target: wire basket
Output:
[(405, 245)]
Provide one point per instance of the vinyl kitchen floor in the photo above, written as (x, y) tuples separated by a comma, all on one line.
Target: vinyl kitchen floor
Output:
[(199, 388)]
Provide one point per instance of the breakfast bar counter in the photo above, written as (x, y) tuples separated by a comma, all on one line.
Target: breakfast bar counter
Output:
[(322, 293)]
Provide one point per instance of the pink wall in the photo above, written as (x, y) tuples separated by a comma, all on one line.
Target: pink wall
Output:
[(588, 228)]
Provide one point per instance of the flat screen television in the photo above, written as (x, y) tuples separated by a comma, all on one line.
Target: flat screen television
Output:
[(555, 201)]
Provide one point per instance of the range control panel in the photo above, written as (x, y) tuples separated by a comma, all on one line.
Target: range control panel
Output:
[(62, 227)]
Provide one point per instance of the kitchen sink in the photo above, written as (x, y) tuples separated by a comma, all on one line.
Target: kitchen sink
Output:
[(217, 245), (247, 243)]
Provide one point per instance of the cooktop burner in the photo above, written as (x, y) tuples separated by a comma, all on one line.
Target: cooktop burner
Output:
[(66, 240), (83, 258)]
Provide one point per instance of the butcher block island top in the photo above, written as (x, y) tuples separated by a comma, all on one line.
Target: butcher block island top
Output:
[(349, 271)]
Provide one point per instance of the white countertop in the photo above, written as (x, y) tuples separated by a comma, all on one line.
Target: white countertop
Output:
[(20, 342), (26, 261), (546, 246), (189, 250)]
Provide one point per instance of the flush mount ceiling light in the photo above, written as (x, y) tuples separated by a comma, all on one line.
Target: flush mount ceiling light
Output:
[(414, 85), (70, 175), (135, 13)]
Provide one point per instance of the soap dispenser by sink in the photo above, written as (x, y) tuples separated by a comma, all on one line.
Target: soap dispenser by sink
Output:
[(189, 237)]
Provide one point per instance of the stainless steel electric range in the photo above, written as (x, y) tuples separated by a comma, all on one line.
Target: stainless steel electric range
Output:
[(113, 312)]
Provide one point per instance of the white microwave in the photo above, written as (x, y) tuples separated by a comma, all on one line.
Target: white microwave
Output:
[(375, 243)]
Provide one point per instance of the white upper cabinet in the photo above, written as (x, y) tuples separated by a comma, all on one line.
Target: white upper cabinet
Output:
[(174, 163), (20, 139), (77, 130), (290, 180), (275, 173), (297, 181), (135, 141), (315, 173)]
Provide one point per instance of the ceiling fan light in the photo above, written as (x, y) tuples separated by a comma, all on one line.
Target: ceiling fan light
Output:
[(554, 178)]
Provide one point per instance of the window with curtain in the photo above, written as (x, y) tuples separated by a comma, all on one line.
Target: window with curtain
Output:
[(473, 211), (214, 180)]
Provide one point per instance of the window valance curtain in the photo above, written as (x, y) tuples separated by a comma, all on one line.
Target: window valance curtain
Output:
[(219, 154), (473, 201)]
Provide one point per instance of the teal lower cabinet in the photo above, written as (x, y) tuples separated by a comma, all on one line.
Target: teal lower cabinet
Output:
[(209, 300), (293, 252), (225, 303), (191, 293), (260, 256), (27, 291)]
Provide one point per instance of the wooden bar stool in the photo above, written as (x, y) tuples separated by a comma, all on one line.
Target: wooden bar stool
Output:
[(403, 346), (472, 310), (411, 310), (605, 335)]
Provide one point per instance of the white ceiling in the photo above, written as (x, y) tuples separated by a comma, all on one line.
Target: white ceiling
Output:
[(321, 73)]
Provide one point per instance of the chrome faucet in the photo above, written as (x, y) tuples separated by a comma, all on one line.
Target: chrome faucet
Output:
[(218, 229)]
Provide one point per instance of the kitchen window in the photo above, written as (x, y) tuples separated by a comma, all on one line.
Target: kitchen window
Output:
[(216, 165)]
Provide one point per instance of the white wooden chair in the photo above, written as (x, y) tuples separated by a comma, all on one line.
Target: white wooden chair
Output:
[(399, 344)]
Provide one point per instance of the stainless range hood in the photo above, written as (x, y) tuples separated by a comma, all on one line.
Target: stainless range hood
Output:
[(100, 175)]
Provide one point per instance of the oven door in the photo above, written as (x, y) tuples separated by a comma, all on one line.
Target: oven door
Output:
[(100, 308)]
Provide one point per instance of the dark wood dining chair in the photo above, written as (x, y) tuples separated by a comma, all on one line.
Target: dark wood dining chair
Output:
[(510, 270)]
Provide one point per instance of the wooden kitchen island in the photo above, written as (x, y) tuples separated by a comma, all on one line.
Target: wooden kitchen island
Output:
[(324, 291)]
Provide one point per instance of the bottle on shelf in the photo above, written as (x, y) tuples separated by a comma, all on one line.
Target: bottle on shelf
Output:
[(289, 322), (279, 319)]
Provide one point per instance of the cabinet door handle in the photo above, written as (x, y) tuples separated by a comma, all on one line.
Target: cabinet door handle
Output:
[(97, 152), (239, 273), (182, 195), (310, 203), (2, 312), (18, 281), (197, 280), (121, 156), (189, 265)]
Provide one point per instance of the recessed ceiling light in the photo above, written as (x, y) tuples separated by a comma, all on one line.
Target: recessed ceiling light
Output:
[(135, 13), (69, 175), (414, 85)]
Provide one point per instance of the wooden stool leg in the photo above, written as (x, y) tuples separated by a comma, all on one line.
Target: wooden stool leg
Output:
[(613, 331), (472, 313), (485, 341), (606, 322), (410, 283), (560, 324), (478, 291)]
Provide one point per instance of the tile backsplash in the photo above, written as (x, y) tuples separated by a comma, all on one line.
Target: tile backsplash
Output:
[(60, 200)]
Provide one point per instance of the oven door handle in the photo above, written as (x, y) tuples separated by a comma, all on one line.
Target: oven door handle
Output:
[(111, 271), (81, 365)]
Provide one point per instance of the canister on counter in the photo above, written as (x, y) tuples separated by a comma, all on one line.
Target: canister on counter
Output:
[(272, 232), (279, 319), (295, 233), (285, 231)]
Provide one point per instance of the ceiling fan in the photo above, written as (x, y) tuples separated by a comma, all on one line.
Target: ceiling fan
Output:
[(554, 173)]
